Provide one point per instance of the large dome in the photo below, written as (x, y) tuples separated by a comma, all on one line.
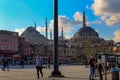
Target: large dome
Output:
[(84, 35), (86, 31), (33, 36)]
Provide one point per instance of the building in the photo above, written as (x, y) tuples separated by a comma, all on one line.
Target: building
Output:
[(24, 47), (8, 42), (116, 48), (86, 41), (11, 44)]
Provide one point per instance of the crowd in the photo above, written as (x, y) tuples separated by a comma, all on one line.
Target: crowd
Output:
[(95, 64)]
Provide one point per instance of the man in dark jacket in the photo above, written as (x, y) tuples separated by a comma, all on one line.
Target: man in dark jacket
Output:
[(5, 63), (92, 67)]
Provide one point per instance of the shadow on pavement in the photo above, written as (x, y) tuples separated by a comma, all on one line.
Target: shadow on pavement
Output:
[(3, 76), (77, 78)]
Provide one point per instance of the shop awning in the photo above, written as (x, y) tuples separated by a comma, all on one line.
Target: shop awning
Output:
[(17, 56)]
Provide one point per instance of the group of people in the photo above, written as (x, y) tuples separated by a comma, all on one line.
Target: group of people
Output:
[(39, 66), (93, 64)]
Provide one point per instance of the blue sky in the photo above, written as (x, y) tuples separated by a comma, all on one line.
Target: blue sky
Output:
[(101, 15)]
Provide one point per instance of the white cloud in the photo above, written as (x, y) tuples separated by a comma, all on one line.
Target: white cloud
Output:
[(103, 18), (116, 36), (94, 22), (78, 16), (64, 22), (67, 24), (108, 10), (107, 38), (51, 25), (20, 31), (97, 31), (40, 29), (113, 20), (68, 36), (87, 7)]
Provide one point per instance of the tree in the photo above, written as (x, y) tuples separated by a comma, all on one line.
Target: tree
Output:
[(87, 48)]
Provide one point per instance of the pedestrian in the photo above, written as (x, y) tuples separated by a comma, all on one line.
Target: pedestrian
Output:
[(48, 62), (5, 63), (92, 67), (39, 65), (86, 63), (99, 64), (22, 63)]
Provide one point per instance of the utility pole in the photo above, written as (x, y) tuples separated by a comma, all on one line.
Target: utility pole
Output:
[(56, 72)]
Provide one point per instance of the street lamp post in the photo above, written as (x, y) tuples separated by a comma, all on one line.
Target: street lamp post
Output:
[(56, 72)]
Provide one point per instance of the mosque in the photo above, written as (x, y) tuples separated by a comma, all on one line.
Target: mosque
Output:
[(86, 41)]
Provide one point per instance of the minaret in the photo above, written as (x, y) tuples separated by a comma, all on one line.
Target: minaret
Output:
[(35, 25), (62, 33), (46, 27), (50, 34), (84, 19)]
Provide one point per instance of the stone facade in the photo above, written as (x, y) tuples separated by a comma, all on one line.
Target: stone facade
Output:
[(11, 43)]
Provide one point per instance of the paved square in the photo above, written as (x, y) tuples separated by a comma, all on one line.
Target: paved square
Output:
[(71, 72)]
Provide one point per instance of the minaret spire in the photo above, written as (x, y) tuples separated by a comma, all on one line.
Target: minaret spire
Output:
[(51, 34), (46, 27), (62, 32), (35, 25), (84, 19)]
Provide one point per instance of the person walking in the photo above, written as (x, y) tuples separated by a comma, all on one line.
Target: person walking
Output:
[(5, 63), (39, 65), (22, 63), (86, 63), (92, 67), (48, 62), (100, 67)]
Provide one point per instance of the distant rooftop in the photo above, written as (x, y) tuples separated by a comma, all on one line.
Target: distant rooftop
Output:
[(5, 32)]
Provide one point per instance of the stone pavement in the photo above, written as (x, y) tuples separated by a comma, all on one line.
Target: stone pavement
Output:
[(71, 72)]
